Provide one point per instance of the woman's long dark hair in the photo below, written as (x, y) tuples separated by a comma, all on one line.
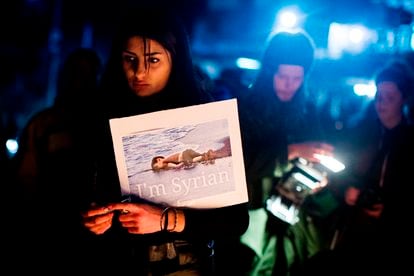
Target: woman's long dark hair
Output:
[(118, 100), (182, 89)]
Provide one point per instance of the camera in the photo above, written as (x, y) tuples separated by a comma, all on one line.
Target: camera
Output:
[(302, 179)]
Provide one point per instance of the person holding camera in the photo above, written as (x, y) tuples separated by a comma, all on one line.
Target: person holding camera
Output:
[(280, 105), (378, 199)]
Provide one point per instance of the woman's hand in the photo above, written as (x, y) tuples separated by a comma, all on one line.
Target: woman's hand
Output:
[(98, 219), (138, 218), (375, 210), (352, 195), (308, 150)]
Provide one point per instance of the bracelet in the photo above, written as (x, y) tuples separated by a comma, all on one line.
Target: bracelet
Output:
[(164, 213), (164, 221), (175, 219)]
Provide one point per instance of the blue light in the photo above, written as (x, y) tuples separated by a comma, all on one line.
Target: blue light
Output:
[(356, 35), (364, 89), (288, 19), (12, 146), (349, 38), (248, 63)]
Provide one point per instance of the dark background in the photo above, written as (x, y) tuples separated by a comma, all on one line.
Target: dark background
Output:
[(36, 35)]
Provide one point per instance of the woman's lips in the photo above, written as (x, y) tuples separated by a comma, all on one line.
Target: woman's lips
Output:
[(140, 85)]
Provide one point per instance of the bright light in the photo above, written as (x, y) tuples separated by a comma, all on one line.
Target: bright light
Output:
[(412, 42), (365, 89), (305, 180), (330, 162), (248, 63), (286, 213), (12, 146), (362, 87), (356, 34), (288, 19), (349, 38)]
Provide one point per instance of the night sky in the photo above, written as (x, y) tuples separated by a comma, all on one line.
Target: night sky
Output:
[(36, 35)]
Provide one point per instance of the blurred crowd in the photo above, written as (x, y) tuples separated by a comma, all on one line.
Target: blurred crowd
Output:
[(347, 222)]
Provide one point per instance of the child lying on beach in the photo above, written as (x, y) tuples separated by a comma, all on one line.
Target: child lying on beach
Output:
[(178, 160), (188, 157)]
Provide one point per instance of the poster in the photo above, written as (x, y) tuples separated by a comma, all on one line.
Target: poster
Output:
[(203, 141)]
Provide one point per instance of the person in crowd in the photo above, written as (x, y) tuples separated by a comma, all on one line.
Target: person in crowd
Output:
[(382, 200), (54, 164), (279, 124), (279, 103), (150, 69), (378, 197)]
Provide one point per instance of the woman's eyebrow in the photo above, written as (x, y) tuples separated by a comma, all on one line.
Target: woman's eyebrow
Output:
[(129, 52), (152, 53), (146, 54)]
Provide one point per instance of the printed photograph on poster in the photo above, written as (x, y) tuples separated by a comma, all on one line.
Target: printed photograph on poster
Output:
[(184, 157)]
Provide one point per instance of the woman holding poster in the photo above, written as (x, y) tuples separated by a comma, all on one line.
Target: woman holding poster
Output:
[(150, 69)]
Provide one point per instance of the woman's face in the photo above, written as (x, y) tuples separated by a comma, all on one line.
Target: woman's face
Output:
[(287, 80), (147, 72), (389, 103)]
